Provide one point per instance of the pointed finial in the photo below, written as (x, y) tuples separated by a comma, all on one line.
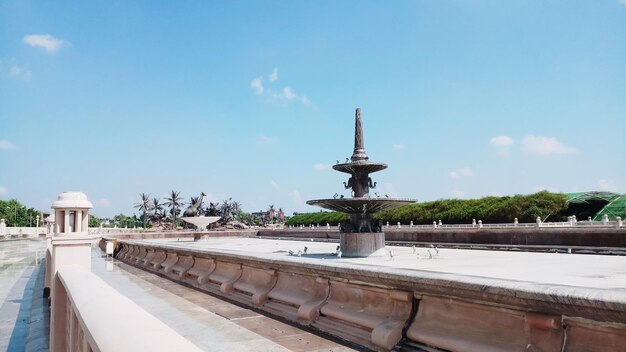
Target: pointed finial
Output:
[(359, 144)]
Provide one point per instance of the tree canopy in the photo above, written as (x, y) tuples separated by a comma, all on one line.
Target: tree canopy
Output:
[(15, 214), (526, 208)]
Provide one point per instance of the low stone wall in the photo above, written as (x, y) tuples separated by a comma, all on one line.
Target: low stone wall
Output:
[(539, 236), (196, 235), (523, 236), (380, 307)]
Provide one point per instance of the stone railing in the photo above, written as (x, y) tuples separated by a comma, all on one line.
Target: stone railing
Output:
[(21, 232), (113, 230), (477, 225), (89, 315), (379, 307)]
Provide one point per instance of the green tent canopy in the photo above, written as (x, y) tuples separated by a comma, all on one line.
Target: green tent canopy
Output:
[(615, 203)]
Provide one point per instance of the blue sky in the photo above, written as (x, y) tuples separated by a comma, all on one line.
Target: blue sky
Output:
[(255, 100)]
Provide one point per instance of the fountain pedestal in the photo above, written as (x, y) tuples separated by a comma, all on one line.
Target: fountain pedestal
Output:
[(362, 244)]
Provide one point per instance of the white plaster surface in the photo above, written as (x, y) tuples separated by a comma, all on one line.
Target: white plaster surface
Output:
[(577, 270)]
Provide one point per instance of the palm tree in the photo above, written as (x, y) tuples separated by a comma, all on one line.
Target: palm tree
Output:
[(236, 207), (144, 206), (193, 201), (174, 201), (212, 209), (156, 208), (225, 211)]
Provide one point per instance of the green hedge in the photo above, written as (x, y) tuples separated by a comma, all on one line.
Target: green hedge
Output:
[(321, 218), (526, 208)]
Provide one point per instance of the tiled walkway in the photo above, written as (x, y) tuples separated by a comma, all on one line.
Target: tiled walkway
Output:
[(209, 322), (17, 279)]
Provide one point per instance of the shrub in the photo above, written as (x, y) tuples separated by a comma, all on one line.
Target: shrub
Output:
[(526, 208)]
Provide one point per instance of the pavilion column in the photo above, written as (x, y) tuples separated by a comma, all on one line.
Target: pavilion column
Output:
[(85, 226), (78, 220), (66, 221)]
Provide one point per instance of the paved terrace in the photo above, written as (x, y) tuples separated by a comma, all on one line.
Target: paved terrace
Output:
[(18, 273), (574, 270)]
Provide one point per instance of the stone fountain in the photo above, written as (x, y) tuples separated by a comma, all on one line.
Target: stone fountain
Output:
[(360, 236)]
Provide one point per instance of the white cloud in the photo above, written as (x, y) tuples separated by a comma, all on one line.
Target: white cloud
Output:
[(320, 166), (545, 146), (257, 85), (104, 202), (610, 185), (296, 197), (45, 41), (275, 184), (455, 193), (266, 140), (20, 72), (501, 141), (461, 172), (502, 144), (398, 147), (288, 93), (274, 75), (6, 145), (3, 191)]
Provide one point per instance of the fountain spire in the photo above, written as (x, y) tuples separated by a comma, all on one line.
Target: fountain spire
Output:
[(359, 145)]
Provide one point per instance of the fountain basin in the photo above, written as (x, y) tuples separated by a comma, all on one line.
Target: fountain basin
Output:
[(355, 205), (360, 166), (201, 222), (362, 238)]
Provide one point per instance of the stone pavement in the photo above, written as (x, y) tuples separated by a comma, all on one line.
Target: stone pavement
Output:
[(209, 322), (18, 274), (573, 270)]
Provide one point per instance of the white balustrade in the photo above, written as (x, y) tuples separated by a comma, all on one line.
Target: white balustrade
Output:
[(89, 315)]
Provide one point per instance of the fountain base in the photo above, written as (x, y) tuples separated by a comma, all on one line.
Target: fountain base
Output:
[(362, 244)]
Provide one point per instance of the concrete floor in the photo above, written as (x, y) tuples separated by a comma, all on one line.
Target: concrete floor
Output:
[(17, 280), (209, 322)]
